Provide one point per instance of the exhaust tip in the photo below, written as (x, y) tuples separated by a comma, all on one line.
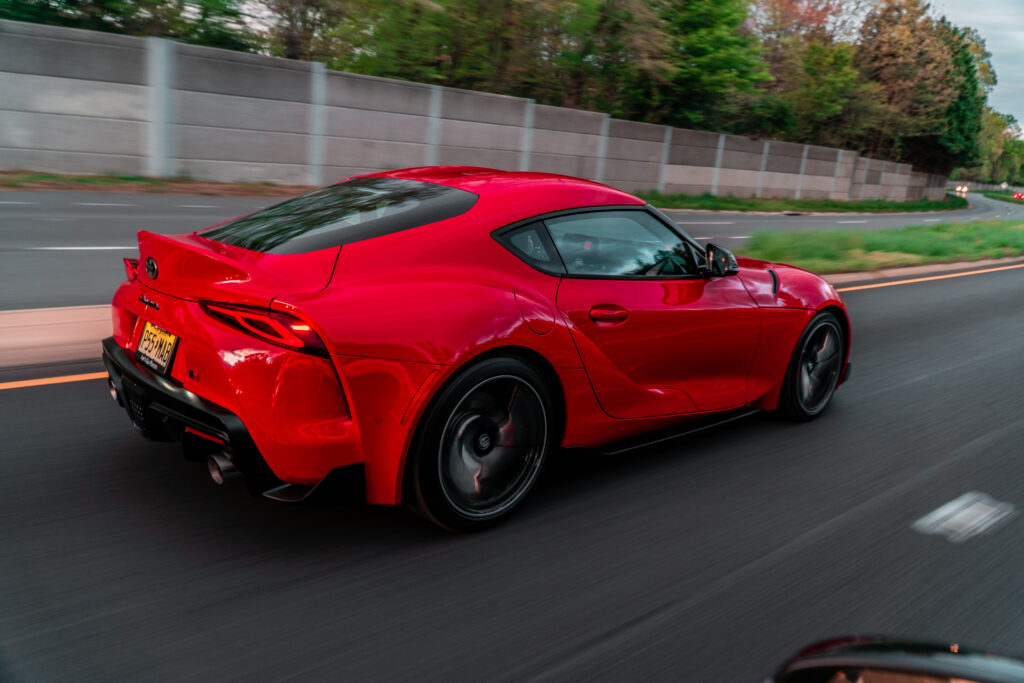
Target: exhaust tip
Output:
[(221, 468), (113, 389)]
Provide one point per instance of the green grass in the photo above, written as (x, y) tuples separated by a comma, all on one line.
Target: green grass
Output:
[(1006, 196), (832, 251), (22, 179), (708, 202)]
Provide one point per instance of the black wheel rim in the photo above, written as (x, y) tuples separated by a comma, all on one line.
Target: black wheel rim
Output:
[(492, 446), (820, 361)]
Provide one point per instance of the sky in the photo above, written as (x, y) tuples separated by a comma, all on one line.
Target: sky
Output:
[(1001, 24)]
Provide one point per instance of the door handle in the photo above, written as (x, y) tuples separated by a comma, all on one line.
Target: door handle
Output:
[(605, 313)]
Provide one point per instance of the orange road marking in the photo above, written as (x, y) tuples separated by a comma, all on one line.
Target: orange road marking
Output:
[(926, 279), (51, 380)]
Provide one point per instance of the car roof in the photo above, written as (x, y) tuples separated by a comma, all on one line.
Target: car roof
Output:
[(492, 183)]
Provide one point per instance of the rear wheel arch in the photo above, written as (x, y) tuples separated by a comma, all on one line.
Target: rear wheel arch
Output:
[(535, 360)]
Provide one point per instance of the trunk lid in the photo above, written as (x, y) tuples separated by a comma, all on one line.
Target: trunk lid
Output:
[(195, 268)]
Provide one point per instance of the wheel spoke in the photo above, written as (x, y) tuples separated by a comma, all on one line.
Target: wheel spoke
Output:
[(491, 446)]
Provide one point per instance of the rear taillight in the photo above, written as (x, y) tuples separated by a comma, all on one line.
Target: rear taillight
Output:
[(271, 326), (131, 269)]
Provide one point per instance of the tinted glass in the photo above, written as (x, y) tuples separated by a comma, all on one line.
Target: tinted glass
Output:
[(620, 244), (354, 210), (531, 244)]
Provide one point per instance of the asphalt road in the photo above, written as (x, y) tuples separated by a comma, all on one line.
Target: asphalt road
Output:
[(65, 248), (707, 559)]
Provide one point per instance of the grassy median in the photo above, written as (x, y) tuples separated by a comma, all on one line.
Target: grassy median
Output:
[(708, 202), (833, 251)]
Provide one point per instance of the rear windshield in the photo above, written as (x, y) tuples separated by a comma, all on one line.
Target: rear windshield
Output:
[(351, 211)]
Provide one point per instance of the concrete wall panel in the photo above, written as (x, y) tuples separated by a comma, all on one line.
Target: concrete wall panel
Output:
[(376, 154), (617, 171), (736, 143), (377, 94), (244, 113), (482, 135), (52, 95), (55, 132), (579, 166), (466, 105), (569, 120), (697, 176), (205, 69), (358, 123), (473, 156), (71, 53), (569, 144), (689, 155), (226, 144), (630, 149), (635, 130)]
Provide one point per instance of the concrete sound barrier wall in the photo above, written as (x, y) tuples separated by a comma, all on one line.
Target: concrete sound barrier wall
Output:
[(77, 101)]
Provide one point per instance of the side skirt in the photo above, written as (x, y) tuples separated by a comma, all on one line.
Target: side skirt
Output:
[(676, 432)]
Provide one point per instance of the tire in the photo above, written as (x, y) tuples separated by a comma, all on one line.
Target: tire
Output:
[(481, 445), (814, 369)]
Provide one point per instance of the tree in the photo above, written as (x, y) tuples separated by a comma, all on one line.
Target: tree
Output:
[(714, 60), (217, 23)]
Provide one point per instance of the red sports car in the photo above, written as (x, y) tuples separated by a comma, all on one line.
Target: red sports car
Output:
[(440, 331)]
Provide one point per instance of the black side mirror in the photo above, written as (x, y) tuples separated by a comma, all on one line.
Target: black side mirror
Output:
[(719, 261)]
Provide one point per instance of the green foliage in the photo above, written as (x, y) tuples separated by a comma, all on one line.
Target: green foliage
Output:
[(709, 202), (217, 23), (831, 251), (713, 61)]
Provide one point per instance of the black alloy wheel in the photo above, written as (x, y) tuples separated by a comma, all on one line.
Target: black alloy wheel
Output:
[(814, 369), (481, 445)]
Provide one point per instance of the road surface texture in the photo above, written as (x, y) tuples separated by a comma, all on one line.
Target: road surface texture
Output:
[(65, 248), (709, 558)]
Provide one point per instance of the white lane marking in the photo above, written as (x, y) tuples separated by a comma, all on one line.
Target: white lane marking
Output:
[(102, 204), (55, 219), (705, 223), (851, 222), (80, 248), (969, 515), (198, 206), (931, 220), (22, 203)]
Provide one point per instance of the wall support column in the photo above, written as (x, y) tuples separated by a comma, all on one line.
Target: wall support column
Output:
[(800, 180), (718, 163), (433, 141), (602, 148), (316, 123), (835, 175), (160, 79), (764, 166), (526, 141), (666, 148)]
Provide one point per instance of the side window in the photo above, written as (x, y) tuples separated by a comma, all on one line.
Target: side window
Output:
[(620, 244), (531, 244)]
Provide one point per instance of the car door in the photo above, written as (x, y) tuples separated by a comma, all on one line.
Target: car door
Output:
[(655, 336)]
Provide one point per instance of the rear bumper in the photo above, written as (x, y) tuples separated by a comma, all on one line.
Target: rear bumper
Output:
[(163, 410)]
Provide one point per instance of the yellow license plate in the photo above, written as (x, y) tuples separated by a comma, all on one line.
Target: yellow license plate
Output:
[(156, 348)]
